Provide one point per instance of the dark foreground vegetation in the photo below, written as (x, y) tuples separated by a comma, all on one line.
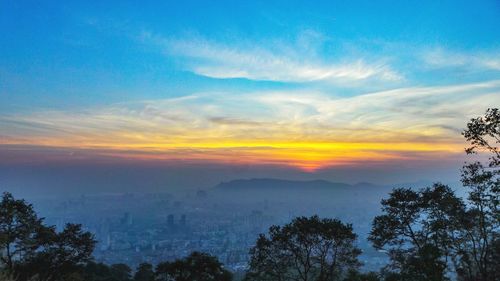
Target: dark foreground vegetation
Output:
[(430, 234)]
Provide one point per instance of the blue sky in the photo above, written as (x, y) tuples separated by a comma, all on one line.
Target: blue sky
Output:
[(79, 75), (64, 53)]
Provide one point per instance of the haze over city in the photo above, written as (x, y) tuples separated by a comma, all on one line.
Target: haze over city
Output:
[(167, 128)]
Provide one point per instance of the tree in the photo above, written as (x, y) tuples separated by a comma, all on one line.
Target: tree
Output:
[(305, 249), (32, 249), (59, 255), (19, 228), (102, 272), (97, 272), (121, 272), (354, 275), (427, 230), (144, 272), (426, 264), (476, 260), (418, 230), (196, 267)]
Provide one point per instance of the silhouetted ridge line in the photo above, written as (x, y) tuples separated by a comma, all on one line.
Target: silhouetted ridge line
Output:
[(279, 184)]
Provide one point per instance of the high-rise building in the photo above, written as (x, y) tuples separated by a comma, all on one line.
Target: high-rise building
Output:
[(170, 221), (126, 219), (183, 220)]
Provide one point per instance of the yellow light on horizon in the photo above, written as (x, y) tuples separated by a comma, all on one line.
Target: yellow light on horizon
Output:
[(308, 156)]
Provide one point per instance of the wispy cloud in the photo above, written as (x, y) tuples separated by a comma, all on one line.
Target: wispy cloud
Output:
[(304, 129), (440, 57), (275, 61)]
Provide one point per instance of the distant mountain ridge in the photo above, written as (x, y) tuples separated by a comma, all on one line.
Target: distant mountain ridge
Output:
[(312, 193), (281, 184)]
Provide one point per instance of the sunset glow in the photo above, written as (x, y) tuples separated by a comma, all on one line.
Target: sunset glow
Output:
[(313, 97)]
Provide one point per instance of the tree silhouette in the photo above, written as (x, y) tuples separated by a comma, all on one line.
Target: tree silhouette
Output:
[(305, 249), (144, 272), (59, 254), (354, 275), (196, 267), (417, 228), (481, 234), (97, 272), (32, 249), (19, 231), (428, 230), (103, 272), (121, 272)]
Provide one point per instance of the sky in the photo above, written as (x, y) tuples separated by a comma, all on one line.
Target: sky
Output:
[(342, 90)]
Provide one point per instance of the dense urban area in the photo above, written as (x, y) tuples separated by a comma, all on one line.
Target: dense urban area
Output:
[(136, 228)]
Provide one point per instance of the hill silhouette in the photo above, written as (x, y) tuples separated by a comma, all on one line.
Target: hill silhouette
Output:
[(280, 184), (270, 189)]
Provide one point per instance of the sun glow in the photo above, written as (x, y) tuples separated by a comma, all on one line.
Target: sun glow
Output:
[(307, 156), (302, 130)]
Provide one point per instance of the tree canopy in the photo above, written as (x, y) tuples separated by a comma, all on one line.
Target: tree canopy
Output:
[(308, 248), (196, 267), (431, 234)]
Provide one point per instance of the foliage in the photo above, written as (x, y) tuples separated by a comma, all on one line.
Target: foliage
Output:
[(144, 272), (305, 249), (417, 227), (19, 231), (60, 255), (354, 275), (481, 232), (31, 249), (102, 272), (6, 277), (431, 231), (196, 267)]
